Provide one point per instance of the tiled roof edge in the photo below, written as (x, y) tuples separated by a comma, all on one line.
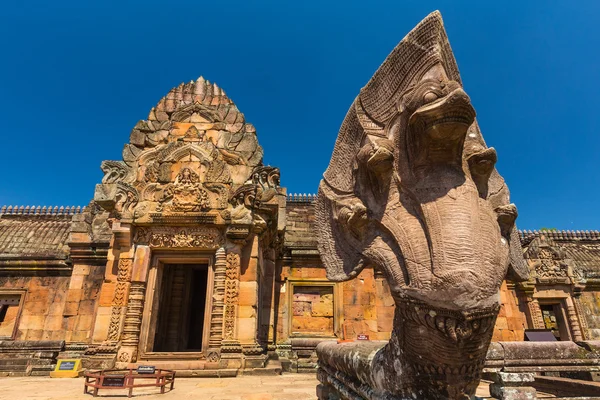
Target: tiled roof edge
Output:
[(565, 234), (39, 210)]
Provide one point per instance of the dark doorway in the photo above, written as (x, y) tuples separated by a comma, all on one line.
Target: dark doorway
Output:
[(554, 320), (181, 308)]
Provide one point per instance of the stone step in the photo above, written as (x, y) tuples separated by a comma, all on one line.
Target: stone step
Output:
[(273, 367), (206, 373), (13, 368), (15, 362), (175, 365)]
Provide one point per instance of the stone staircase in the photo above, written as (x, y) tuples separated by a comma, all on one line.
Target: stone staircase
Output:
[(29, 358)]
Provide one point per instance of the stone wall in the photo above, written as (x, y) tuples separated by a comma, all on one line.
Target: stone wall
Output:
[(312, 310), (300, 225), (511, 322), (368, 307), (590, 303), (42, 307), (83, 295), (57, 307)]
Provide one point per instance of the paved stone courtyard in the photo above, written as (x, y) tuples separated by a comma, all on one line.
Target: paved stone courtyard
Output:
[(283, 387)]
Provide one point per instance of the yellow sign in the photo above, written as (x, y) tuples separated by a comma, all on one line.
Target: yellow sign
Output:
[(67, 369)]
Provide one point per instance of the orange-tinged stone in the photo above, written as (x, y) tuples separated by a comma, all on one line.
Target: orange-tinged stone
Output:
[(247, 294), (321, 325), (71, 308), (76, 281), (53, 323), (141, 264), (249, 273), (107, 293), (74, 295), (322, 310)]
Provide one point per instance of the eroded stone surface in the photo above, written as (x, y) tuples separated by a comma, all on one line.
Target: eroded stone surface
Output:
[(194, 154), (411, 189)]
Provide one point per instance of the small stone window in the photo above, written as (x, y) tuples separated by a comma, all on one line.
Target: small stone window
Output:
[(313, 310), (10, 309)]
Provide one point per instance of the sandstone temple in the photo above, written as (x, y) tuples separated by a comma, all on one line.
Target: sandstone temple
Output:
[(192, 256)]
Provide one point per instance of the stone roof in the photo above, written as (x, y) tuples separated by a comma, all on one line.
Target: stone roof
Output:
[(580, 247), (35, 233), (583, 247), (528, 235), (586, 257)]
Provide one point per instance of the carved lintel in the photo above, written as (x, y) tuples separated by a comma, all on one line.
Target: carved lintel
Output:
[(179, 237)]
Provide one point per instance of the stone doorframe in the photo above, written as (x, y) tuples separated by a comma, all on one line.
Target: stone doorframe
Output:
[(561, 296), (153, 291)]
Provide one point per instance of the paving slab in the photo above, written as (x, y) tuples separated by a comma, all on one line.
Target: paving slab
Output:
[(282, 387)]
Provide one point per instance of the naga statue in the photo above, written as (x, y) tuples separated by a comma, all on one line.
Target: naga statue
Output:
[(412, 191)]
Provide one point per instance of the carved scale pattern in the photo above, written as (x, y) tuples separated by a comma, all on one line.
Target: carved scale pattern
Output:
[(232, 273)]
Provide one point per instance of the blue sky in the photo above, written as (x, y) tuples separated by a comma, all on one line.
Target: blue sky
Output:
[(76, 76)]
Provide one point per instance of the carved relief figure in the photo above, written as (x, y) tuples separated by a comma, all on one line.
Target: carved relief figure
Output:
[(411, 190), (193, 150)]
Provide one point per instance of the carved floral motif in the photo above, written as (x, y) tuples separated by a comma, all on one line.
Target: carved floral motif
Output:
[(120, 298), (232, 273), (203, 238)]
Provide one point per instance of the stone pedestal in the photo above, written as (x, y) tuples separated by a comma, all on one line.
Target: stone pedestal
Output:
[(513, 386)]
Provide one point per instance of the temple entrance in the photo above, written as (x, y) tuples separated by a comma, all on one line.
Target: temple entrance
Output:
[(181, 308), (555, 320)]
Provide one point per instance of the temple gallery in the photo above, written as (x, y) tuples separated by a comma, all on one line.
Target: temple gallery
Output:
[(192, 256)]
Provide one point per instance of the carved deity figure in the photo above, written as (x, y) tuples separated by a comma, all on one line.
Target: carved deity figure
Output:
[(412, 191)]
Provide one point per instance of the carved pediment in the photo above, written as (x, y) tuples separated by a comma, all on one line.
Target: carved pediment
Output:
[(194, 113), (194, 150)]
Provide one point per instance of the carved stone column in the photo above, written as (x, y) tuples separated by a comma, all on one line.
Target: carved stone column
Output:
[(132, 323), (120, 299), (217, 320), (232, 280), (573, 320), (135, 306), (533, 308), (579, 309), (231, 350)]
